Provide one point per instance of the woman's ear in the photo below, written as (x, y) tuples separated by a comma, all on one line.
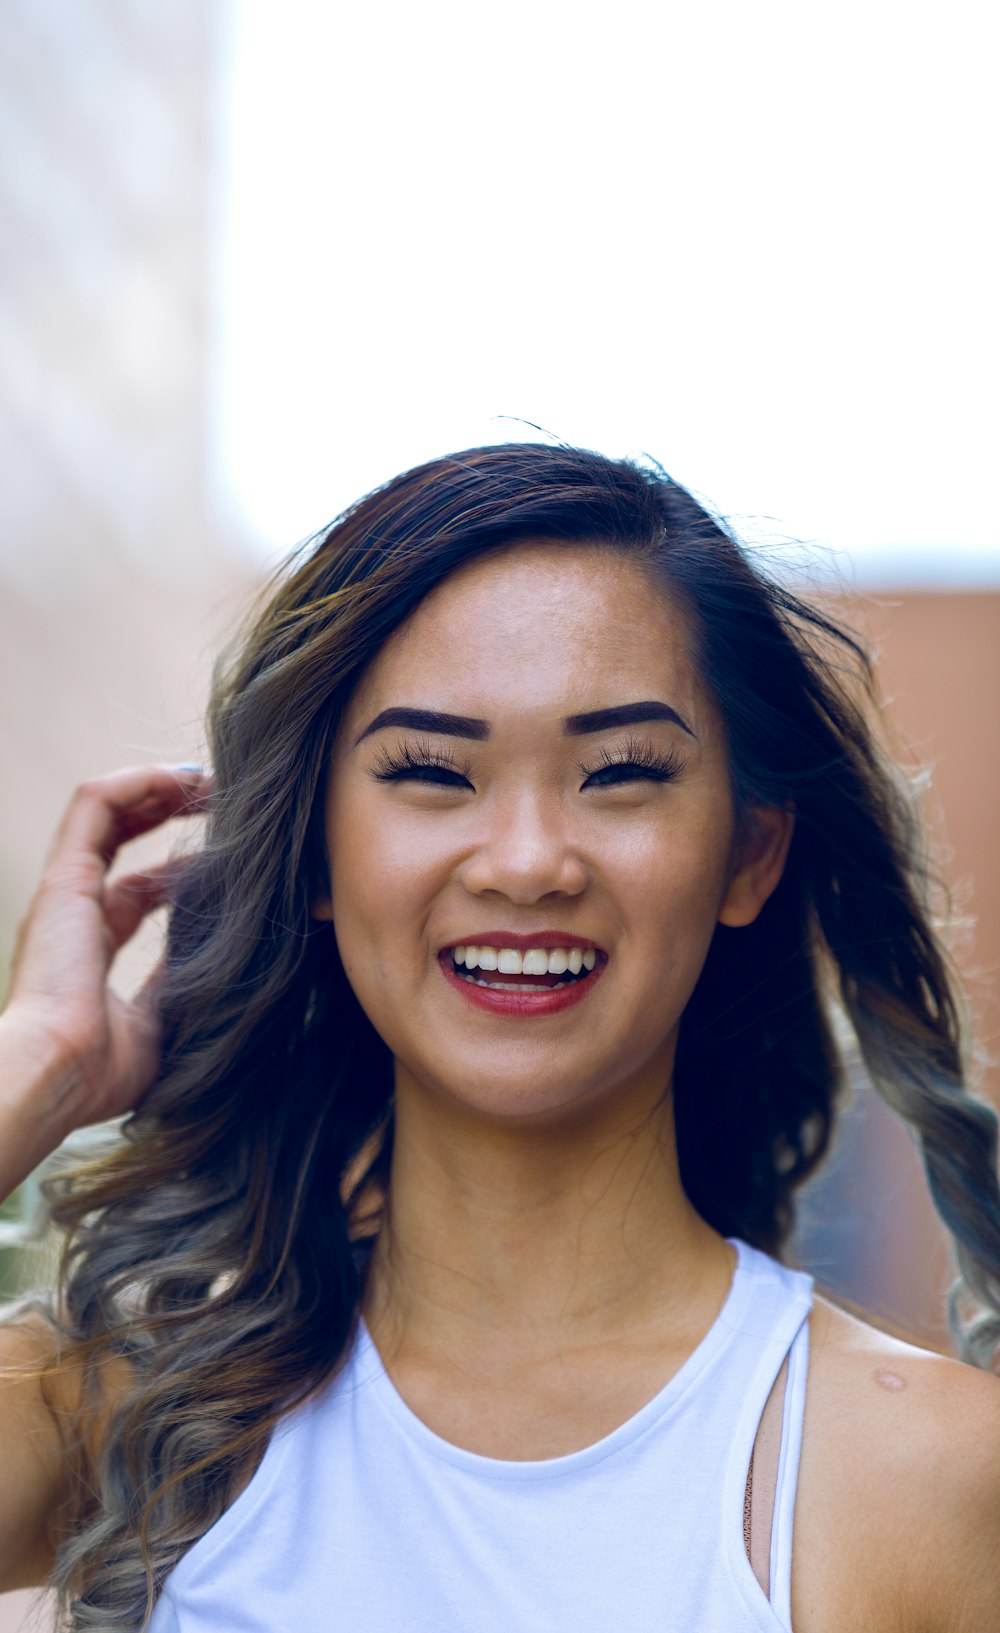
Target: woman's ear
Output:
[(758, 865), (322, 908)]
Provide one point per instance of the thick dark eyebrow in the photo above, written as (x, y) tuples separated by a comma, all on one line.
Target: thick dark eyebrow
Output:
[(626, 714), (445, 725), (574, 725)]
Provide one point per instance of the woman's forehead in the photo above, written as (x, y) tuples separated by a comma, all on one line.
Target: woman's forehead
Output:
[(541, 625)]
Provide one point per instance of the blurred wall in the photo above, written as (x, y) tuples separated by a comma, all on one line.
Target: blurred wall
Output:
[(868, 1227), (939, 667), (114, 579)]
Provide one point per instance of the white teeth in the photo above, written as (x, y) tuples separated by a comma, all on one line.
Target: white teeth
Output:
[(536, 961)]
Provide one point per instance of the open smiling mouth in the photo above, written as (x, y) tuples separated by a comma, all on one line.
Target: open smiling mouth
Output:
[(539, 969), (538, 981)]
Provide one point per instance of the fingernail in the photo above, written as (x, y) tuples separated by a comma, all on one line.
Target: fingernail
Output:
[(195, 770)]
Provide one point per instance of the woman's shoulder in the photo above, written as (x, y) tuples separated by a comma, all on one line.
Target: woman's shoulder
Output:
[(51, 1378), (45, 1424), (901, 1476), (868, 1377)]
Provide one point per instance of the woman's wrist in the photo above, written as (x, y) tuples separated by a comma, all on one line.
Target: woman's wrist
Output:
[(38, 1074)]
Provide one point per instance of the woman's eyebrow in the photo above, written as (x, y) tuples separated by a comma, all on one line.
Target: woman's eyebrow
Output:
[(574, 725), (625, 714), (446, 725)]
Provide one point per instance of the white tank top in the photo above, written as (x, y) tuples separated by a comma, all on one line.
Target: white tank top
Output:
[(360, 1519)]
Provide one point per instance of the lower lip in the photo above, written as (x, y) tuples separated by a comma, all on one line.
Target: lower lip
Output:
[(520, 1005)]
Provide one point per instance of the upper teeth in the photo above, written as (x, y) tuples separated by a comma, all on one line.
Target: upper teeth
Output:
[(536, 961)]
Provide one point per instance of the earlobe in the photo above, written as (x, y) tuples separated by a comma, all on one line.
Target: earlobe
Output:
[(322, 908), (759, 865)]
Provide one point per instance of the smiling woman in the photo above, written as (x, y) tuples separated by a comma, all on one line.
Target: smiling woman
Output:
[(442, 1257)]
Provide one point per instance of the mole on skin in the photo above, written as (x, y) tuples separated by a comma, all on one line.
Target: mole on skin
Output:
[(890, 1380)]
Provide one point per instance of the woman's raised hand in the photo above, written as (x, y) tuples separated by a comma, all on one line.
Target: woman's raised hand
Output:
[(72, 1051)]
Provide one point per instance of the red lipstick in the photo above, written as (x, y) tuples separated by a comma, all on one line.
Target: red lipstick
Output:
[(497, 1000)]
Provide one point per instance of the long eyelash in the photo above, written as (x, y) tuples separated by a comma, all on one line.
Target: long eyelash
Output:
[(639, 753), (416, 756)]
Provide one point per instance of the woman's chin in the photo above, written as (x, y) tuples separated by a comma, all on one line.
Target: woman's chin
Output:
[(532, 1094)]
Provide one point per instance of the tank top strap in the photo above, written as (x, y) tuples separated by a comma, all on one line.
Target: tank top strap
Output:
[(772, 1327), (787, 1481)]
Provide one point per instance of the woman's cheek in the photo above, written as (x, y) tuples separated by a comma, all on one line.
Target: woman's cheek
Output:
[(385, 875), (669, 891)]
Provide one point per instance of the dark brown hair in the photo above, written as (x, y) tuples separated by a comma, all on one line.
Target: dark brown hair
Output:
[(215, 1250)]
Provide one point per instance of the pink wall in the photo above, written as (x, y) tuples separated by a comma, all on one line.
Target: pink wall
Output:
[(939, 664), (873, 1233)]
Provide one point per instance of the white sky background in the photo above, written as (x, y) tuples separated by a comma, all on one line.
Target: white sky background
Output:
[(758, 241)]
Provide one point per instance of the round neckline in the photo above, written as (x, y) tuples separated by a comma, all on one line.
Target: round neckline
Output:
[(376, 1378)]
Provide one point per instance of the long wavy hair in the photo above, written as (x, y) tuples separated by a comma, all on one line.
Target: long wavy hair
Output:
[(216, 1251)]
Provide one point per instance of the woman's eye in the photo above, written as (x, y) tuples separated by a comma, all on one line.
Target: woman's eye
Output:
[(608, 775), (640, 768), (444, 776), (416, 765)]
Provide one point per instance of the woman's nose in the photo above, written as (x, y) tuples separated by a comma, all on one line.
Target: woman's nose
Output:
[(527, 852)]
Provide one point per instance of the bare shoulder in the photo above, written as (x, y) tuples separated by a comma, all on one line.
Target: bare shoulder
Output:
[(901, 1464), (32, 1485), (40, 1396), (923, 1403)]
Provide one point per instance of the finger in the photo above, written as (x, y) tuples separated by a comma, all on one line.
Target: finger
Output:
[(195, 799), (133, 897), (106, 811)]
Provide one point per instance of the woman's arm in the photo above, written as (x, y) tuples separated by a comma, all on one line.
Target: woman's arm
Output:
[(72, 1052), (961, 1483), (36, 1081)]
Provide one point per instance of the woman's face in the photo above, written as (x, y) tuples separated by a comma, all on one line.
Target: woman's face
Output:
[(532, 767)]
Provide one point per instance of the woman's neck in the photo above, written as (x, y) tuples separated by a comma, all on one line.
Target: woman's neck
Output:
[(535, 1242)]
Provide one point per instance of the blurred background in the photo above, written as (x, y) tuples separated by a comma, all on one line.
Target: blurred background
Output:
[(255, 259)]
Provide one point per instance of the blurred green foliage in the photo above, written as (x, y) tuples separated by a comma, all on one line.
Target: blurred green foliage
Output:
[(22, 1264), (11, 1266)]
